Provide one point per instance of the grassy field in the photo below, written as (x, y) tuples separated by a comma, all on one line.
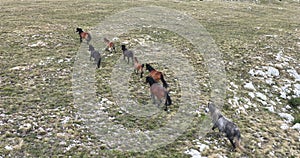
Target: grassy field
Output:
[(38, 48)]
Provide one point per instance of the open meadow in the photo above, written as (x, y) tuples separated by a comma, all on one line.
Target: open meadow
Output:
[(44, 111)]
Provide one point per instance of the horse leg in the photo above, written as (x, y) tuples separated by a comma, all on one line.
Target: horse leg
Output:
[(153, 98), (142, 74), (128, 60), (160, 101)]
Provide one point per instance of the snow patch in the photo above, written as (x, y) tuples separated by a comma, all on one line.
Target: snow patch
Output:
[(294, 74), (284, 126), (288, 117), (271, 71), (249, 86), (194, 153), (38, 44), (296, 89), (261, 96), (271, 109), (296, 126)]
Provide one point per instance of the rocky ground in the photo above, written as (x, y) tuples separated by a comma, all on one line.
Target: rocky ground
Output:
[(39, 52)]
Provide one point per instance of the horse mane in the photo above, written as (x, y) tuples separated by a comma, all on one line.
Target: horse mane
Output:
[(150, 80), (149, 67)]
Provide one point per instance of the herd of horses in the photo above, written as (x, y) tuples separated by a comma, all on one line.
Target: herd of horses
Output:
[(157, 91), (160, 93)]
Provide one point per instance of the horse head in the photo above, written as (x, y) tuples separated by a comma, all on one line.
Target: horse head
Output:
[(79, 30), (123, 47)]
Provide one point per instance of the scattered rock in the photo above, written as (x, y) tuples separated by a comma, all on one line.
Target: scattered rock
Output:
[(194, 153), (251, 94), (271, 109), (249, 86), (271, 71), (38, 44), (8, 147), (296, 126), (25, 127), (284, 126), (261, 96), (289, 118)]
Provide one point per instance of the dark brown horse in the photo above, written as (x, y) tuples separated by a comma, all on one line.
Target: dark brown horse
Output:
[(84, 35), (159, 92), (156, 75)]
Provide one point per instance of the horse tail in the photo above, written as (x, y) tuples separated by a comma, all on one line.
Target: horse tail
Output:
[(163, 81), (89, 37), (168, 101), (98, 63)]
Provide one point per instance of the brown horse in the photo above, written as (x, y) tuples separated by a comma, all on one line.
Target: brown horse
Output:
[(156, 75), (84, 35), (159, 92), (110, 46), (138, 67)]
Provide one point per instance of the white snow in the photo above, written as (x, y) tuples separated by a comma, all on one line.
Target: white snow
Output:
[(194, 153), (288, 117), (296, 89), (39, 43), (284, 126), (294, 74), (261, 96), (251, 94), (272, 71), (249, 86), (202, 147), (66, 120), (296, 126), (8, 147), (271, 109)]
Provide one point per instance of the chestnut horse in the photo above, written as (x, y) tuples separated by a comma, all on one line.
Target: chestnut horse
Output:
[(138, 67), (110, 46)]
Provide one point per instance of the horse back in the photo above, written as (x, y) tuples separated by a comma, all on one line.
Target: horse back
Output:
[(157, 90), (84, 35), (155, 75), (110, 44)]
